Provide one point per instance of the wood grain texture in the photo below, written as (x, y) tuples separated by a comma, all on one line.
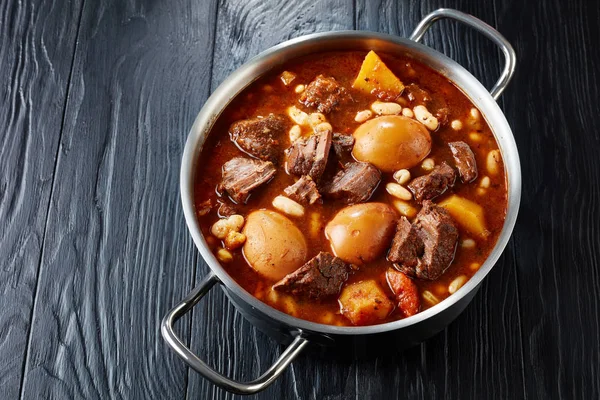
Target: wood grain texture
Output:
[(91, 170), (117, 253), (37, 40), (554, 100)]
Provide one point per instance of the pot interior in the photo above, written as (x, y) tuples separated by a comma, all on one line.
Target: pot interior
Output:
[(336, 41)]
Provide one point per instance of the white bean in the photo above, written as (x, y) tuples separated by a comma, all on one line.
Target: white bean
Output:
[(428, 164), (295, 133), (382, 108), (485, 182), (423, 115), (468, 243), (402, 176), (224, 255), (234, 240), (398, 191), (475, 137), (457, 283), (474, 266), (493, 162), (456, 125), (315, 119), (323, 126), (222, 227), (405, 208), (474, 113), (363, 115), (297, 115), (288, 206), (430, 297), (407, 112), (299, 88)]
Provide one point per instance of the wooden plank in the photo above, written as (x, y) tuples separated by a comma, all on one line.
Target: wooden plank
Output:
[(117, 253), (554, 103), (37, 40), (220, 335)]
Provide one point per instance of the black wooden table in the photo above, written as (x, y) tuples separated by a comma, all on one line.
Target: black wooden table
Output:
[(96, 100)]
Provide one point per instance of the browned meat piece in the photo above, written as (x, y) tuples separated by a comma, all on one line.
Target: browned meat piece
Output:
[(425, 249), (325, 94), (204, 208), (354, 184), (309, 156), (417, 95), (439, 235), (407, 245), (342, 144), (304, 191), (435, 183), (242, 175), (259, 137), (323, 276), (226, 210), (405, 290), (465, 160)]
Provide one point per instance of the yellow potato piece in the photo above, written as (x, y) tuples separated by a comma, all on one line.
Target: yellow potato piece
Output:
[(365, 303), (376, 78), (467, 213)]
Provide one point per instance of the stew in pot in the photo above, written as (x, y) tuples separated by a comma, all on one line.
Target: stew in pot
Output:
[(351, 188)]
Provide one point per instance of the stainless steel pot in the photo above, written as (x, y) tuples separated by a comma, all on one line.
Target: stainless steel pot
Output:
[(298, 333)]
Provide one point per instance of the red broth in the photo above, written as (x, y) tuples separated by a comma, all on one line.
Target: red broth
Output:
[(269, 95)]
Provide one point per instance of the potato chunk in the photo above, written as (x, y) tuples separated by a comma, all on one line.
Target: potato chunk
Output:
[(376, 78), (467, 213), (365, 303)]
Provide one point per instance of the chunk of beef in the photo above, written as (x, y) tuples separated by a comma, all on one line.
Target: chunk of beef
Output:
[(242, 175), (204, 208), (226, 210), (309, 156), (259, 137), (406, 292), (439, 235), (342, 144), (435, 183), (304, 191), (407, 245), (322, 276), (354, 184), (325, 94), (417, 95), (465, 160), (432, 238)]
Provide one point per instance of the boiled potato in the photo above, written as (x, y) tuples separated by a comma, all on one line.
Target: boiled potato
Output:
[(391, 142), (274, 246), (362, 232), (365, 303), (467, 213), (376, 78)]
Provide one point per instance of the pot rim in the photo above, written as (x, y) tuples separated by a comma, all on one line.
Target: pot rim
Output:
[(273, 57)]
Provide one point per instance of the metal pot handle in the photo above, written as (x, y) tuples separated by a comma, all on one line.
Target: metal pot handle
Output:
[(480, 26), (200, 366)]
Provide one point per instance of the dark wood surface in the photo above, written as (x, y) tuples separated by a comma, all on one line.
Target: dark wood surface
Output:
[(96, 101)]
